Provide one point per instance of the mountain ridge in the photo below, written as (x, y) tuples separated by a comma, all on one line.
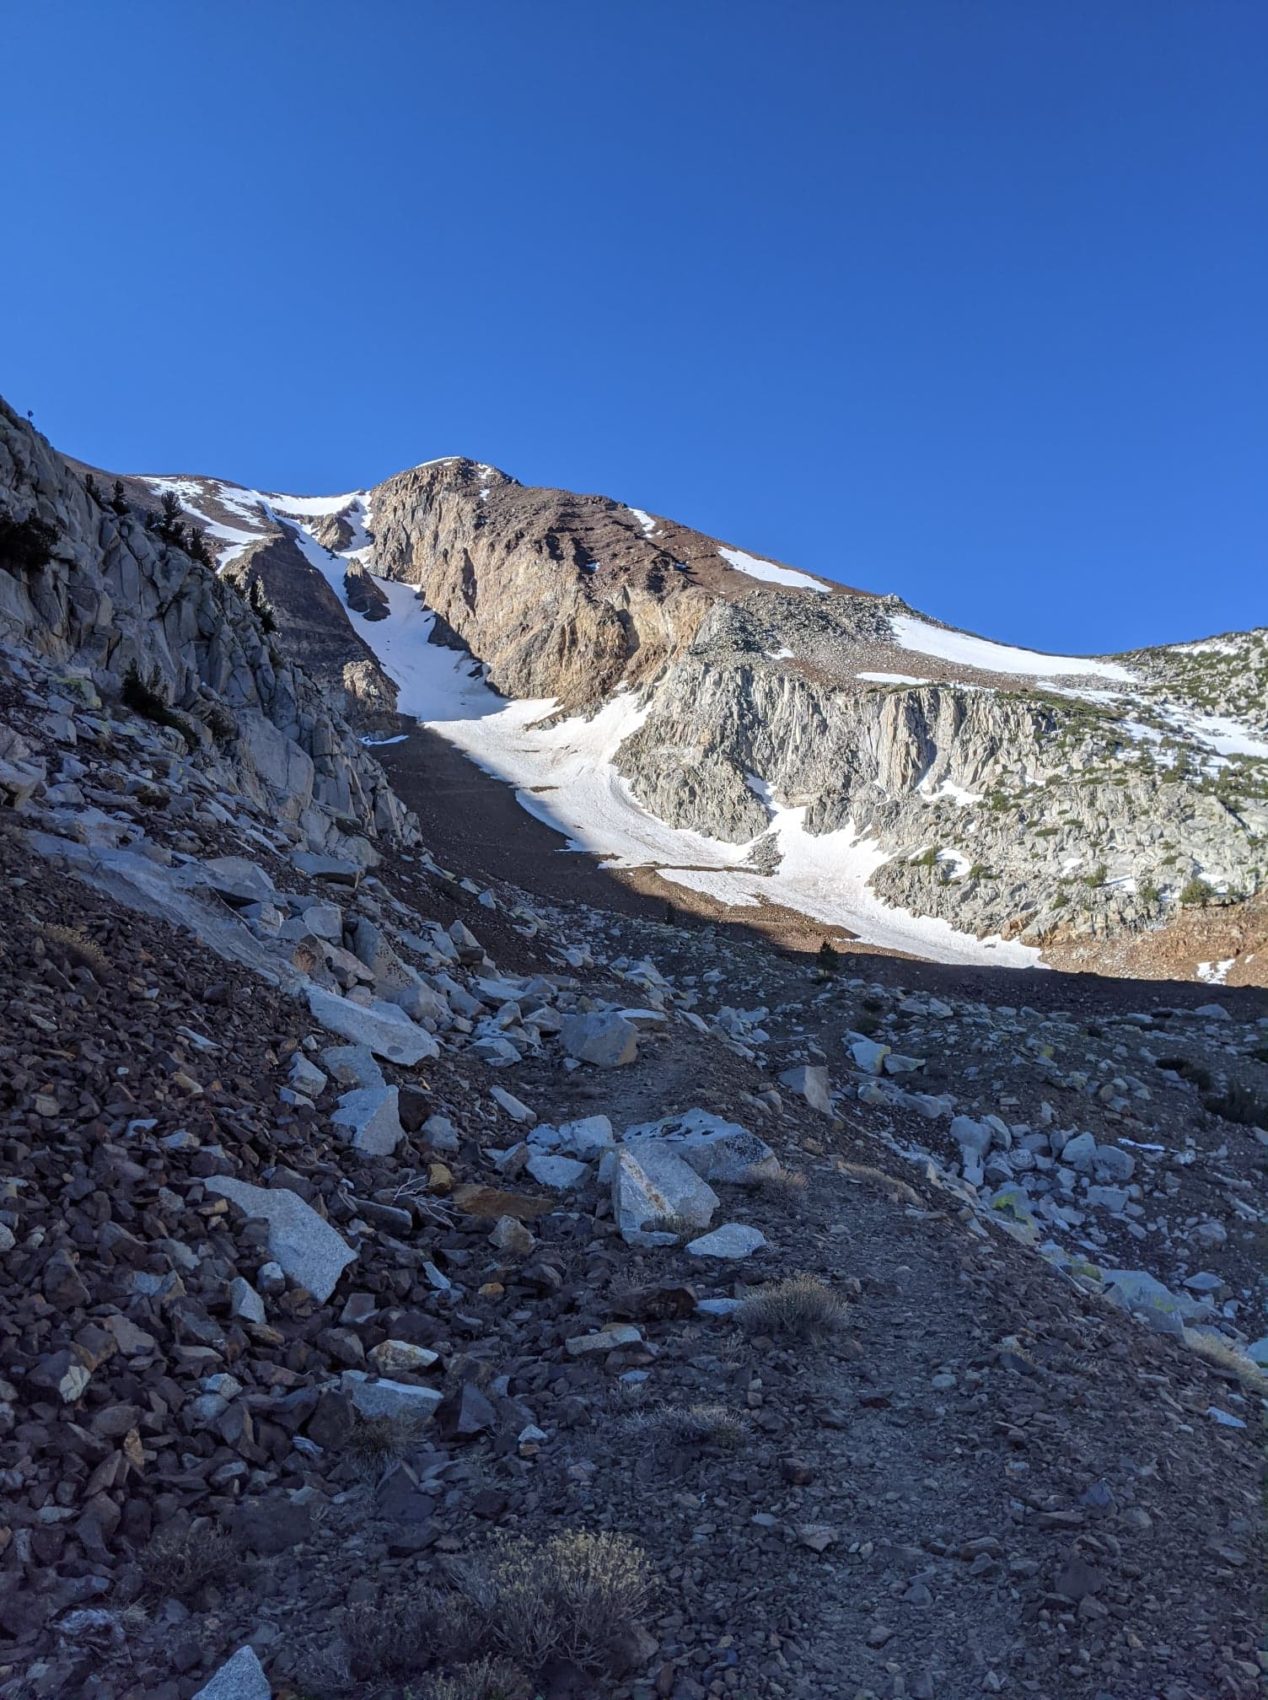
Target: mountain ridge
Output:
[(767, 736)]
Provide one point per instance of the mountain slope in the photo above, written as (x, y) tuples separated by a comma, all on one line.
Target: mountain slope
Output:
[(762, 736), (759, 736)]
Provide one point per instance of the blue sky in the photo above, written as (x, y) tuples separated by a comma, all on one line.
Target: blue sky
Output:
[(963, 299)]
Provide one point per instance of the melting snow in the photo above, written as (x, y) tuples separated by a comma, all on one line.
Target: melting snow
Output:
[(957, 793), (646, 521), (891, 679), (1226, 737), (1215, 973), (969, 651), (311, 507), (755, 567)]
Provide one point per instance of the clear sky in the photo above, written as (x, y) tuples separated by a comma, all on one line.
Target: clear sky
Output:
[(964, 299)]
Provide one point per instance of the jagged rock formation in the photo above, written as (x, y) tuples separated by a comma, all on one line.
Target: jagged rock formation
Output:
[(1006, 810), (115, 599)]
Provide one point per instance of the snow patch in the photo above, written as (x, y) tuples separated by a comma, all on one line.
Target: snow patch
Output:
[(755, 567), (1215, 973), (965, 650), (646, 521)]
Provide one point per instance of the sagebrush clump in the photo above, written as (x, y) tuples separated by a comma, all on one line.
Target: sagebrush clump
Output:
[(376, 1442), (570, 1596), (180, 1561), (688, 1428), (486, 1679), (405, 1632), (798, 1308), (73, 943)]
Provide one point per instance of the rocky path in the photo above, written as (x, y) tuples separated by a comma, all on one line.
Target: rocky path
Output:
[(291, 1446)]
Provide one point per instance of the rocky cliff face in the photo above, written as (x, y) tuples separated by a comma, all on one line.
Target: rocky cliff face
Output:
[(1004, 809), (114, 599), (560, 596)]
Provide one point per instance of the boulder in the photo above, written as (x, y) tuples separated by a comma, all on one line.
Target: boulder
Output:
[(308, 1249), (388, 1398), (561, 1174), (607, 1041), (244, 1302), (234, 878), (895, 1064), (336, 869), (867, 1054), (1146, 1297), (370, 1120), (353, 1065), (1080, 1153), (717, 1150), (588, 1138), (732, 1240), (811, 1083), (514, 1107), (1112, 1163), (973, 1138), (240, 1678), (384, 1028), (306, 1077), (652, 1188)]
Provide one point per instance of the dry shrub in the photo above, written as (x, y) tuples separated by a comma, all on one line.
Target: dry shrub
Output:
[(798, 1308), (570, 1596), (376, 1442), (899, 1192), (73, 944), (180, 1561), (405, 1632), (487, 1679), (1223, 1354), (784, 1186), (689, 1428)]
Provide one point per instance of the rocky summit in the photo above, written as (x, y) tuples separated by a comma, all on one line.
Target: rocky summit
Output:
[(549, 1143)]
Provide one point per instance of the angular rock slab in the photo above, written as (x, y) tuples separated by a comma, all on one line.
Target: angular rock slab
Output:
[(239, 1678), (653, 1186), (811, 1083), (607, 1041), (717, 1150), (388, 1398), (1146, 1297), (868, 1054), (302, 1242), (561, 1174), (370, 1117), (731, 1240), (387, 1030)]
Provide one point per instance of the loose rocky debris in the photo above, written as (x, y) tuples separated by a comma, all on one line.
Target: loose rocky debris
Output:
[(357, 1217)]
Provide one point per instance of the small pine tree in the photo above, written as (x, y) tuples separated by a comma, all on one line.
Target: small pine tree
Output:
[(118, 500), (27, 543), (827, 961), (170, 527), (260, 603)]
